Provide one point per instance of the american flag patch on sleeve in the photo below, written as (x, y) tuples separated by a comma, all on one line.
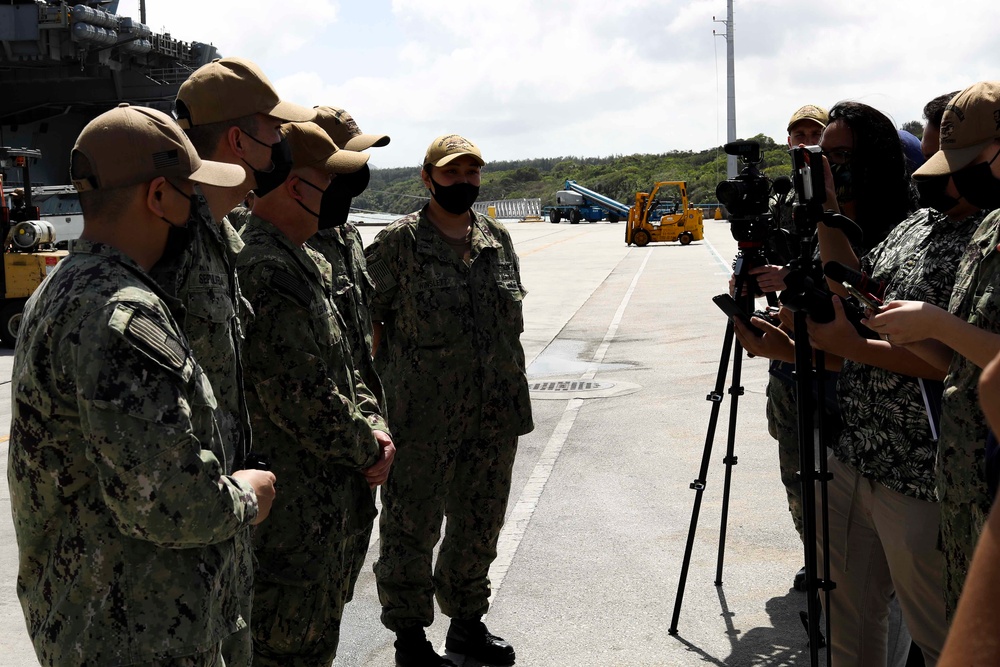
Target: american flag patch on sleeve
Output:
[(383, 278)]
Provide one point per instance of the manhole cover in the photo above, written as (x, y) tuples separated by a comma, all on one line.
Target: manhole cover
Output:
[(555, 390), (575, 385)]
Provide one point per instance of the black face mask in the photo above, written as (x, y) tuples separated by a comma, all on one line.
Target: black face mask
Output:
[(457, 198), (931, 192), (306, 208), (978, 184), (281, 166), (336, 204), (843, 181), (179, 237)]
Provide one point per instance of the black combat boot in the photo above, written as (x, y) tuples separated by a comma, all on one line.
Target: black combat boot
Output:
[(472, 639), (413, 650)]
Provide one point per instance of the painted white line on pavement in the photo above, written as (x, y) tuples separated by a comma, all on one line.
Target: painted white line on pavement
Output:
[(726, 264), (602, 349), (517, 524)]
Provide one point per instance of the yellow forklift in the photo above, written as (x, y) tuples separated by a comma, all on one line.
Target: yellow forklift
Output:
[(662, 215), (29, 251)]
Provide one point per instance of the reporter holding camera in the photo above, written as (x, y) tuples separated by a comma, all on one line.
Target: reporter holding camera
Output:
[(871, 191), (883, 515)]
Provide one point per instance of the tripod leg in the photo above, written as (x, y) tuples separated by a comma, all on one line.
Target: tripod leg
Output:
[(824, 477), (735, 391), (805, 379), (699, 484)]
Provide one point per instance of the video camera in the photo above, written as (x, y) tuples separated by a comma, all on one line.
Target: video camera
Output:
[(807, 289), (747, 195)]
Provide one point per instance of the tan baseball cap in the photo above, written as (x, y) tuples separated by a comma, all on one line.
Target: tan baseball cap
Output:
[(345, 131), (132, 145), (970, 123), (809, 112), (312, 147), (446, 148), (230, 88)]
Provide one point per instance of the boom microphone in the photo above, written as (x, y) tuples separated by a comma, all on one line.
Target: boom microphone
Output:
[(857, 279)]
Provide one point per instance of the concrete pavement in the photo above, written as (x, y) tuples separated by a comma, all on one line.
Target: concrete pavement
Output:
[(600, 507)]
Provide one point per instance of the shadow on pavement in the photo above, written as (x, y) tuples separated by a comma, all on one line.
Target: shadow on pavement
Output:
[(785, 642), (782, 643)]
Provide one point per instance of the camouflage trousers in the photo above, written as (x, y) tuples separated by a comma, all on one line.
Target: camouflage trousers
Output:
[(782, 424), (467, 481), (237, 649), (296, 621), (961, 526)]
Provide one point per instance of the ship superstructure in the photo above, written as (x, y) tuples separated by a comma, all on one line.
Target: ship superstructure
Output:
[(64, 63)]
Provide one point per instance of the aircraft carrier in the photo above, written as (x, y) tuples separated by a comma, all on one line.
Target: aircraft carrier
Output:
[(64, 63)]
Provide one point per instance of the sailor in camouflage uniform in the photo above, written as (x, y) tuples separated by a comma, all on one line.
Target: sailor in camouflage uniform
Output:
[(804, 127), (970, 153), (315, 421), (340, 243), (448, 312), (231, 113), (124, 512)]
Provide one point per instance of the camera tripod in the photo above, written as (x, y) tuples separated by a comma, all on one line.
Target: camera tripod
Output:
[(801, 281)]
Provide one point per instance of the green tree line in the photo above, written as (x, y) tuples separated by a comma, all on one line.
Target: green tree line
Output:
[(400, 191)]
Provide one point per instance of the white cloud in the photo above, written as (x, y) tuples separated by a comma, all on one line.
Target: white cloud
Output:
[(524, 78), (262, 27)]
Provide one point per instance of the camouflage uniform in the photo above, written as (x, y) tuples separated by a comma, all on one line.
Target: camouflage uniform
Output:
[(124, 517), (238, 217), (203, 278), (961, 461), (313, 419), (352, 290), (782, 415), (783, 426), (453, 370)]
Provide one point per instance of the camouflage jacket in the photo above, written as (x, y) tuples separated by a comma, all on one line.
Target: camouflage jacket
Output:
[(312, 415), (353, 288), (237, 219), (203, 278), (886, 435), (450, 359), (962, 446), (123, 513)]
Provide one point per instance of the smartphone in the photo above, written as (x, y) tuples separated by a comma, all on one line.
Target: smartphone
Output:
[(729, 306), (873, 304)]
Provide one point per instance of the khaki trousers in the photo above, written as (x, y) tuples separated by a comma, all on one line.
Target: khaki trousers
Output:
[(881, 542)]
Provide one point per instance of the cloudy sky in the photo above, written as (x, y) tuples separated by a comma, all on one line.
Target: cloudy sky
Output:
[(546, 78)]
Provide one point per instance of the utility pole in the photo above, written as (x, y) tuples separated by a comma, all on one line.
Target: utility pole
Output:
[(730, 86)]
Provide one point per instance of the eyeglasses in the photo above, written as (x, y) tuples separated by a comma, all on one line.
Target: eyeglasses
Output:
[(839, 155)]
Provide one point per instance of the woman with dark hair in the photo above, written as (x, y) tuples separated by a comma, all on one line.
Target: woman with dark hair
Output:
[(882, 510), (869, 171)]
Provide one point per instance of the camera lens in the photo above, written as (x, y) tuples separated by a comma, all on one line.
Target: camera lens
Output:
[(731, 193)]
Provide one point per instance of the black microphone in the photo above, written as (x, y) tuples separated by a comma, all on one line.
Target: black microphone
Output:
[(857, 279)]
